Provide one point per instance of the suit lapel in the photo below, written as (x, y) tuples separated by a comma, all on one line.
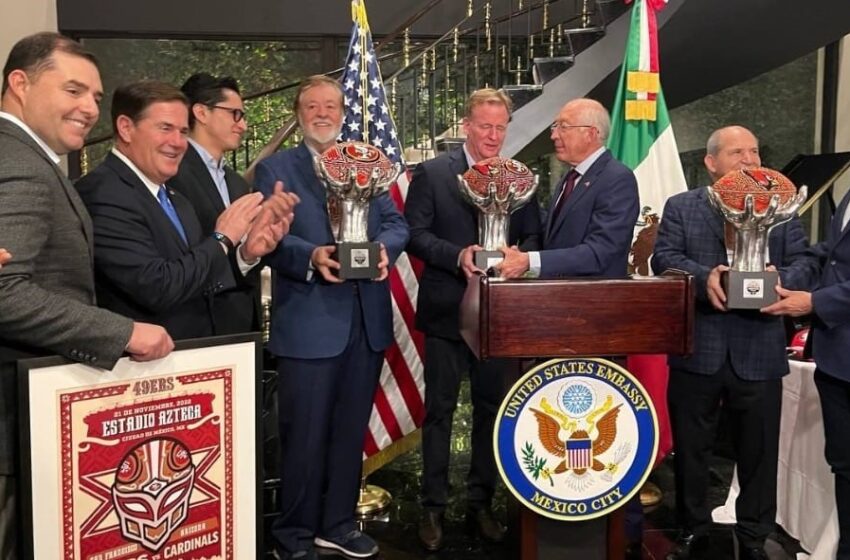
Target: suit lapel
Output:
[(70, 192), (583, 185), (237, 187), (187, 218), (201, 174), (132, 180), (838, 233), (458, 166), (304, 164), (710, 215)]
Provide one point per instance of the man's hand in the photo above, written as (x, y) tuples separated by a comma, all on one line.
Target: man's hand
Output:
[(791, 302), (281, 204), (714, 289), (324, 264), (467, 260), (149, 342), (515, 263), (5, 256), (237, 218), (383, 265), (264, 235)]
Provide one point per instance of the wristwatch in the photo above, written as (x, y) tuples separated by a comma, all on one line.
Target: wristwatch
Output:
[(224, 240)]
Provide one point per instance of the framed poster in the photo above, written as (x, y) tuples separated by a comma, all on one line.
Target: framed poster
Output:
[(149, 461)]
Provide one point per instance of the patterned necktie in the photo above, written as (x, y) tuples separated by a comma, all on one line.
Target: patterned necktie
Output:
[(569, 186), (169, 210)]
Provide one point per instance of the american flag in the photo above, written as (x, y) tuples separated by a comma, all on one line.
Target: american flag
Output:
[(398, 408), (579, 453)]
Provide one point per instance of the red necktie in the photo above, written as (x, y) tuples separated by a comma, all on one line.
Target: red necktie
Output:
[(569, 186)]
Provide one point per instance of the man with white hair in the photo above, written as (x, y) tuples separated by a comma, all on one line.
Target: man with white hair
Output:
[(592, 214)]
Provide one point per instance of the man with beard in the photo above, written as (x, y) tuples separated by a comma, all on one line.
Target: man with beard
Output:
[(329, 336), (216, 126)]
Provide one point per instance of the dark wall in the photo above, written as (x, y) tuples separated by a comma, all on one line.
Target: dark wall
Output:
[(271, 18)]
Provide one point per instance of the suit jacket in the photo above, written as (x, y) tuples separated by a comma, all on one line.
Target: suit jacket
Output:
[(47, 291), (236, 310), (831, 300), (143, 268), (442, 223), (592, 234), (691, 238), (312, 318)]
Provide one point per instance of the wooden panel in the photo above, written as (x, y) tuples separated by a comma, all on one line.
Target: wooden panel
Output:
[(584, 317)]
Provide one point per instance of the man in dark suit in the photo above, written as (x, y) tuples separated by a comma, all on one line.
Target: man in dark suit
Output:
[(51, 91), (591, 219), (738, 359), (829, 305), (216, 126), (152, 259), (444, 234), (329, 337)]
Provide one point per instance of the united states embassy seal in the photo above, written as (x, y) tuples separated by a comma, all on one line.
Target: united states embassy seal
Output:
[(575, 438)]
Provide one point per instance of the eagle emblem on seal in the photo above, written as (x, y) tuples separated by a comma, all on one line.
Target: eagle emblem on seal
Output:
[(579, 452)]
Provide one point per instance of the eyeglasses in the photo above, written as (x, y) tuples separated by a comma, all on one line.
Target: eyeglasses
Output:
[(563, 127), (238, 114)]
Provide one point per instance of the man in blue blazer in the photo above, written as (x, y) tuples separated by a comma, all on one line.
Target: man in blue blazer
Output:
[(829, 305), (329, 337), (588, 229), (738, 359), (444, 234)]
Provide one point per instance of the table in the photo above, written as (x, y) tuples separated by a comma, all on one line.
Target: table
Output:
[(805, 485)]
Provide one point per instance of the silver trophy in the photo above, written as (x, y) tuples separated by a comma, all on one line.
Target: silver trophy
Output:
[(753, 201), (497, 187), (354, 174)]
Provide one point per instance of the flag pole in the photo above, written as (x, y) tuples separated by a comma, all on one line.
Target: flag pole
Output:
[(368, 120)]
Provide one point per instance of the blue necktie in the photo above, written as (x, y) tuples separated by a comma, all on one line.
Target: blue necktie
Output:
[(165, 202)]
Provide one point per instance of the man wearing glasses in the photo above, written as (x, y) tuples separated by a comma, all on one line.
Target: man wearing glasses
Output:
[(216, 126), (592, 215), (444, 234)]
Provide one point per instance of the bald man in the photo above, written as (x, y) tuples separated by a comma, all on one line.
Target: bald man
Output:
[(738, 359)]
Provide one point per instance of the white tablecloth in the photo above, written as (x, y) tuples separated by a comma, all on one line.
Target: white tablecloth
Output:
[(805, 487)]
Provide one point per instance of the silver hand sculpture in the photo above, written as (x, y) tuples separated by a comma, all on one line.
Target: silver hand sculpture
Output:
[(354, 198), (495, 210), (752, 228)]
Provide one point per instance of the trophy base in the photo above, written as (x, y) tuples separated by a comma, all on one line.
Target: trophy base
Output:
[(487, 259), (749, 290), (358, 261)]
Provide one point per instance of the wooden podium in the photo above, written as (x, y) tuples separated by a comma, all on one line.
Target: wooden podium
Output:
[(575, 318)]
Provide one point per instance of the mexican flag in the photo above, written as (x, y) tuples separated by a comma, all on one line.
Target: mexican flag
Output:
[(642, 138)]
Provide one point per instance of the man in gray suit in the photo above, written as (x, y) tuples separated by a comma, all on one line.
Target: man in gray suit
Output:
[(50, 96)]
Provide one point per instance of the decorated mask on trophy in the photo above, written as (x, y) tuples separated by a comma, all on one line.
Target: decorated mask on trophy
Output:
[(354, 174), (753, 201), (497, 187)]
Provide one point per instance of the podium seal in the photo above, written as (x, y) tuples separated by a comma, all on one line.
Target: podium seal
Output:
[(575, 438)]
